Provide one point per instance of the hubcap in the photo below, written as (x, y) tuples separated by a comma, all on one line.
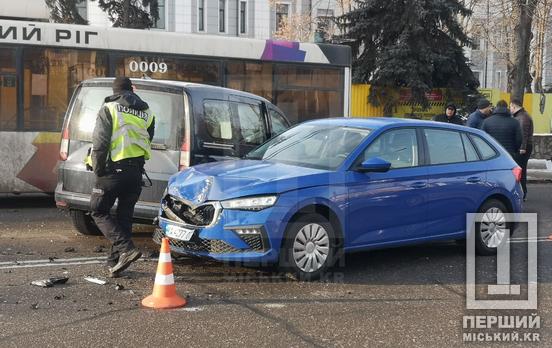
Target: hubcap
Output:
[(493, 227), (311, 247)]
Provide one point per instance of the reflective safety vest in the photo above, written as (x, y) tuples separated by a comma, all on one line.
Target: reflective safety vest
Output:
[(129, 136), (129, 133)]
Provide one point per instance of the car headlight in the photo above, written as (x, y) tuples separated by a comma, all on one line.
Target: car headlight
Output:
[(251, 203)]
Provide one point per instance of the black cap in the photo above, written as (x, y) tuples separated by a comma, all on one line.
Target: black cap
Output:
[(483, 103), (451, 106), (122, 84)]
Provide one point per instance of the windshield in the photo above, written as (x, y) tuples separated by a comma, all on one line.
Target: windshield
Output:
[(165, 106), (316, 146)]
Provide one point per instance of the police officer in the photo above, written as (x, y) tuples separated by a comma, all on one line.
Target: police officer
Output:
[(120, 145)]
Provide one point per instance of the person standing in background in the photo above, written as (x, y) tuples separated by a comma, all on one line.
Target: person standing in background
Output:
[(484, 109), (449, 116), (504, 128), (526, 148)]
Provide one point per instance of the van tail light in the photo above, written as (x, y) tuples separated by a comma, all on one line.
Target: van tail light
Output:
[(184, 154), (517, 173), (64, 147)]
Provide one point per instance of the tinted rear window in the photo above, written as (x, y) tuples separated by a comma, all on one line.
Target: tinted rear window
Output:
[(165, 106)]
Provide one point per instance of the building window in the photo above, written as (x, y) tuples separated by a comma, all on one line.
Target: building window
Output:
[(82, 9), (282, 12), (243, 17), (201, 15), (160, 23), (324, 25), (477, 75), (476, 41), (222, 16)]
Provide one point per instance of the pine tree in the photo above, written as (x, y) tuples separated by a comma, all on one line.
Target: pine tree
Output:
[(415, 44), (65, 11), (137, 14)]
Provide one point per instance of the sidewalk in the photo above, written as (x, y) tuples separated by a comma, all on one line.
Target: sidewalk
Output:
[(539, 170)]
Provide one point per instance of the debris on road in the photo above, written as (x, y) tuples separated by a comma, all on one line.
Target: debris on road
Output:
[(47, 283), (151, 254), (95, 280), (99, 249), (69, 250), (59, 297), (34, 305), (119, 287)]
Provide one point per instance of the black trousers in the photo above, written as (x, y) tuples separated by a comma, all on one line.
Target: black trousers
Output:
[(124, 184), (522, 161)]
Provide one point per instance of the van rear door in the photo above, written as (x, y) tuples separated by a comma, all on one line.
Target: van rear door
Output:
[(167, 104)]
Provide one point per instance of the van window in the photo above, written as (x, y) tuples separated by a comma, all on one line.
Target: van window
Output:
[(218, 119), (251, 124), (165, 106), (278, 122)]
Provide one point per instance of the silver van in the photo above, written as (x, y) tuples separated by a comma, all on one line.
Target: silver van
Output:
[(194, 124)]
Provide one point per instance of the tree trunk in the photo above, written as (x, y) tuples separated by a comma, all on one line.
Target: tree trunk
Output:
[(126, 14), (541, 24), (522, 40)]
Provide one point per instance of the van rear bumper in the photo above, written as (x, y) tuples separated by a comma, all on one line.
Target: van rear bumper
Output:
[(143, 211)]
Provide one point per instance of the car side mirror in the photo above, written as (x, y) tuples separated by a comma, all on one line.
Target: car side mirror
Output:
[(375, 165)]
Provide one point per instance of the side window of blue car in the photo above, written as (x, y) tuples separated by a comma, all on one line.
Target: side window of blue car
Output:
[(398, 147), (471, 154), (444, 146), (485, 150)]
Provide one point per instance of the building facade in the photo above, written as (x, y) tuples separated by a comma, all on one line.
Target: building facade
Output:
[(258, 19)]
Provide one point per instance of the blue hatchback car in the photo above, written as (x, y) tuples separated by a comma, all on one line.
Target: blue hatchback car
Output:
[(339, 185)]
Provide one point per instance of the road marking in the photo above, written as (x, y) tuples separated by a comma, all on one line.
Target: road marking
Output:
[(57, 262), (76, 259), (527, 240)]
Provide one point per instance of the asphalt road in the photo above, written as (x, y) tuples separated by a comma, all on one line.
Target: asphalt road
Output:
[(411, 297)]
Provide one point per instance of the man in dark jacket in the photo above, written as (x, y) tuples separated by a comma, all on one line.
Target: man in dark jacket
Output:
[(504, 128), (120, 145), (526, 148), (484, 109), (449, 116)]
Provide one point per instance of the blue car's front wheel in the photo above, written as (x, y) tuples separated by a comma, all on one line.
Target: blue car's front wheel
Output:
[(309, 247)]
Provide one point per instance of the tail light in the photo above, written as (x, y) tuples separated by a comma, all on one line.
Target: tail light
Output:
[(184, 154), (64, 147), (517, 173)]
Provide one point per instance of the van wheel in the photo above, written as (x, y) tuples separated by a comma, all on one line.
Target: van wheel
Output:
[(84, 224), (491, 231), (309, 248)]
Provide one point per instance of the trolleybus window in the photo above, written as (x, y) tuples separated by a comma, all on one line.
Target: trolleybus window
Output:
[(8, 90)]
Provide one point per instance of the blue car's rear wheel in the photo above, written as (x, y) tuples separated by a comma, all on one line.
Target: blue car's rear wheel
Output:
[(493, 228), (309, 247)]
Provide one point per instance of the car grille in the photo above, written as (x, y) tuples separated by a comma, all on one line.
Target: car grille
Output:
[(200, 216), (214, 246)]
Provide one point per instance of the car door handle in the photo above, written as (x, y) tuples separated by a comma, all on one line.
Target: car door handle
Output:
[(474, 179), (419, 184)]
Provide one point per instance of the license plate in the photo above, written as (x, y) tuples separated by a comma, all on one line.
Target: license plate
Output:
[(180, 233)]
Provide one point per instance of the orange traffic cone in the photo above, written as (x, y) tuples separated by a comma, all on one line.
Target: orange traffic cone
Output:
[(164, 291)]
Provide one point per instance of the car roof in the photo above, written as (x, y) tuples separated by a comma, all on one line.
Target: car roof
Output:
[(386, 122), (190, 86)]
